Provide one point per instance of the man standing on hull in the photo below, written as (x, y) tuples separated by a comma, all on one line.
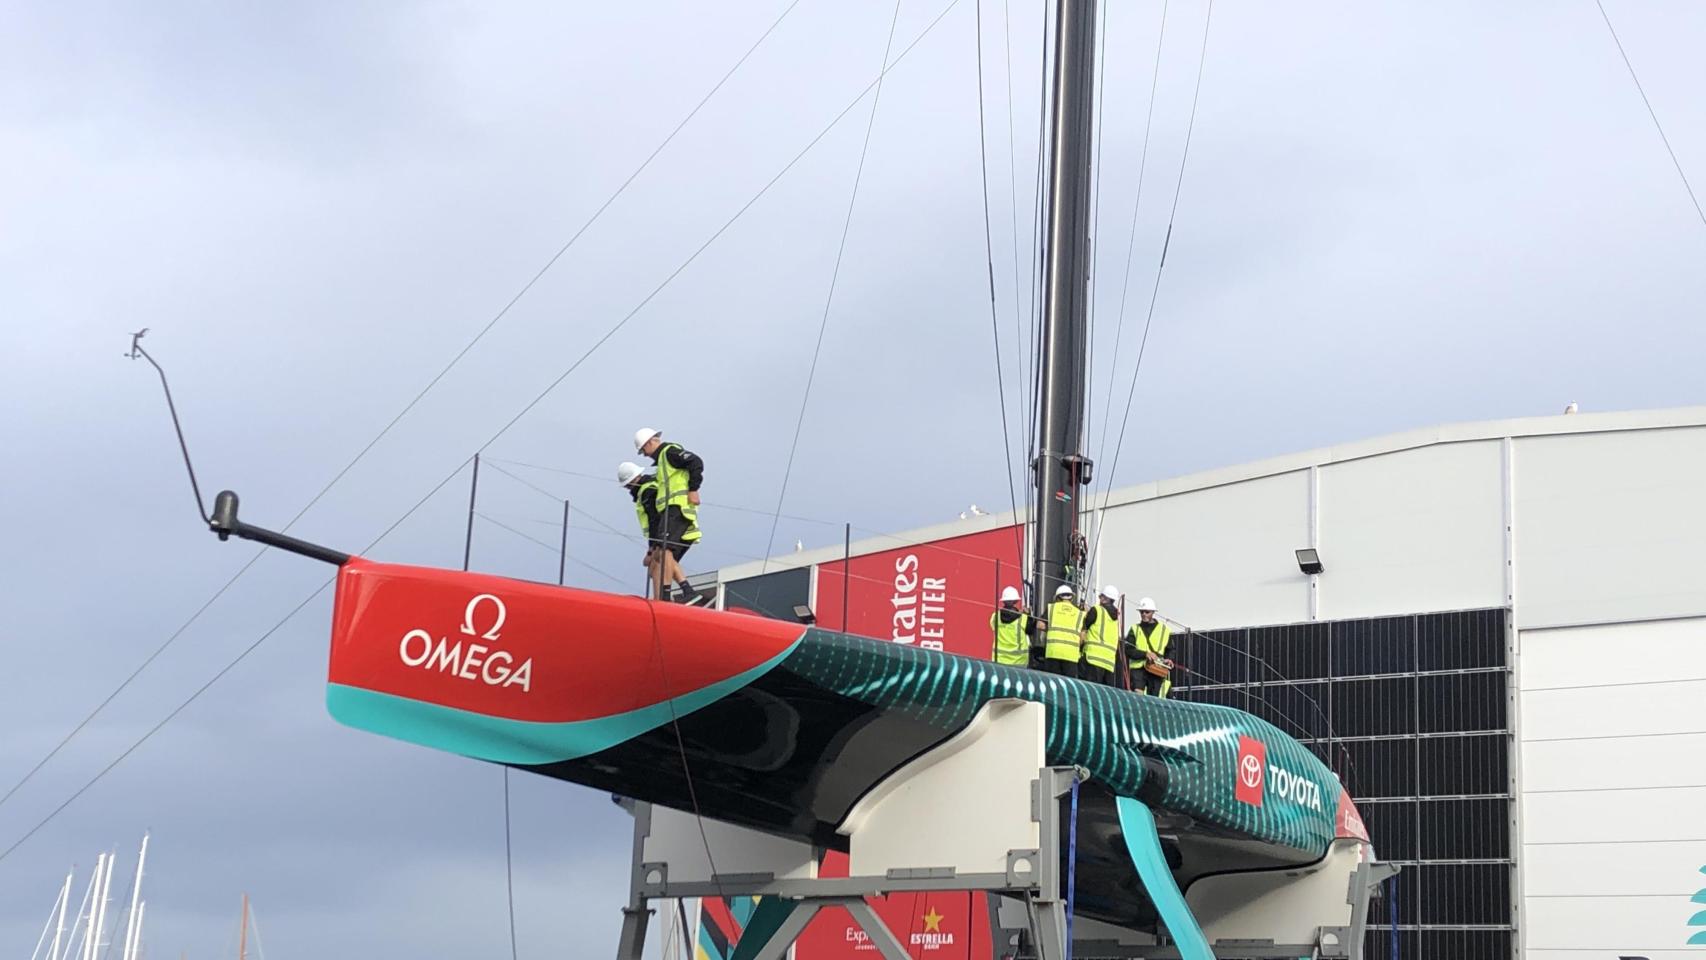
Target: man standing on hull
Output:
[(679, 474), (1013, 630), (1148, 638), (1102, 639), (1063, 639)]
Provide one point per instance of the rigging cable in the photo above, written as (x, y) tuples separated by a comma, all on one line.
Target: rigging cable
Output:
[(1013, 217), (1652, 113), (1131, 246), (681, 748), (1160, 268), (136, 350), (834, 277), (509, 858), (1036, 291), (384, 431), (989, 261), (464, 463), (229, 666), (1081, 513), (1097, 89)]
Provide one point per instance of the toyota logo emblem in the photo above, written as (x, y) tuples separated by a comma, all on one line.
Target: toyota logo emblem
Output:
[(1250, 771)]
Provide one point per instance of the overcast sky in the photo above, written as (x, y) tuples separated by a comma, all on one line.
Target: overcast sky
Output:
[(1393, 215)]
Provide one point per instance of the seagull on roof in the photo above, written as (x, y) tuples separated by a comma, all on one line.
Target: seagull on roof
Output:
[(1571, 408)]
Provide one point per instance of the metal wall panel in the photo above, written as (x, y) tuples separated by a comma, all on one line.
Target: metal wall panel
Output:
[(1412, 530), (1413, 713), (1215, 556), (1610, 526)]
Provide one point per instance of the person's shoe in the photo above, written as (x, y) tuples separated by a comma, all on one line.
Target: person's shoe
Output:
[(697, 598)]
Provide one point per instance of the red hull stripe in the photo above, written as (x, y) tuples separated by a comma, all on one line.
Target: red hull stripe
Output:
[(533, 652)]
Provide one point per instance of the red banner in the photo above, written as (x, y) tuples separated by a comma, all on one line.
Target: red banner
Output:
[(938, 595), (935, 925)]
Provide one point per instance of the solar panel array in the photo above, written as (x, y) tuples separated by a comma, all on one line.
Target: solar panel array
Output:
[(1413, 713)]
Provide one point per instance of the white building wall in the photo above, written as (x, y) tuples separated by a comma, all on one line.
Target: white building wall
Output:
[(1611, 526), (1613, 784), (1217, 556), (1412, 531)]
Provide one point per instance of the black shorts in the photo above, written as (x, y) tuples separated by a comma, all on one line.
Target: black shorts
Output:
[(675, 529)]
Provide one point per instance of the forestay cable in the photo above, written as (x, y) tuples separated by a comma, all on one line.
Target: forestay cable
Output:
[(384, 431)]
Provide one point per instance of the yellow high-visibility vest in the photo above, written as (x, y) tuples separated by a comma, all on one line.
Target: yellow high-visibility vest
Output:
[(1102, 640), (672, 491), (1064, 635), (640, 507), (1012, 643), (1155, 643)]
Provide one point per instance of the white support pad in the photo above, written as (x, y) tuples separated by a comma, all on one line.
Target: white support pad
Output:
[(1286, 906), (675, 840), (964, 804)]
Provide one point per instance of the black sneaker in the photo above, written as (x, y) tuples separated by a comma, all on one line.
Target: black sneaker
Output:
[(698, 598)]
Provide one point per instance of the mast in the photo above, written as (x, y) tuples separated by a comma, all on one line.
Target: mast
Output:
[(89, 932), (88, 894), (59, 931), (101, 907), (133, 924), (243, 932), (1059, 462)]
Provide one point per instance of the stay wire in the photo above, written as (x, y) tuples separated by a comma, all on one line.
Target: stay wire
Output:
[(681, 750), (384, 431), (1652, 113), (227, 668), (1098, 91), (1036, 278), (989, 262), (504, 429), (1013, 213), (875, 84), (1081, 515), (564, 249), (1270, 668), (1160, 268), (551, 547), (835, 274), (1131, 244), (137, 350)]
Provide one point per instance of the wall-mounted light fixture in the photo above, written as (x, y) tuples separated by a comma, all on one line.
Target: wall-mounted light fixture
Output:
[(804, 614), (1309, 561)]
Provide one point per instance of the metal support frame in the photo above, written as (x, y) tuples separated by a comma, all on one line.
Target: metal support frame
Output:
[(1032, 875)]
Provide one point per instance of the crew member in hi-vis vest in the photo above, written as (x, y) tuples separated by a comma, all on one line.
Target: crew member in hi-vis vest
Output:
[(1063, 635), (679, 474), (1148, 638), (1013, 629), (1102, 639)]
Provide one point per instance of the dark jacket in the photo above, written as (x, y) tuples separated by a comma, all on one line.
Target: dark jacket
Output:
[(1090, 615), (682, 459), (647, 497)]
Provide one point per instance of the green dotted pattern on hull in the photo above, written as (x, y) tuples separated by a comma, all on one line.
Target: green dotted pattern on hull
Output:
[(1105, 730)]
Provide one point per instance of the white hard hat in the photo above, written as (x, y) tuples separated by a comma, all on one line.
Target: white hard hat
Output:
[(642, 435), (1111, 592), (626, 471), (1064, 590), (1010, 595), (1146, 605)]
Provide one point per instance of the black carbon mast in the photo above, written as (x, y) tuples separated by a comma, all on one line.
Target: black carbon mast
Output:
[(1061, 468)]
